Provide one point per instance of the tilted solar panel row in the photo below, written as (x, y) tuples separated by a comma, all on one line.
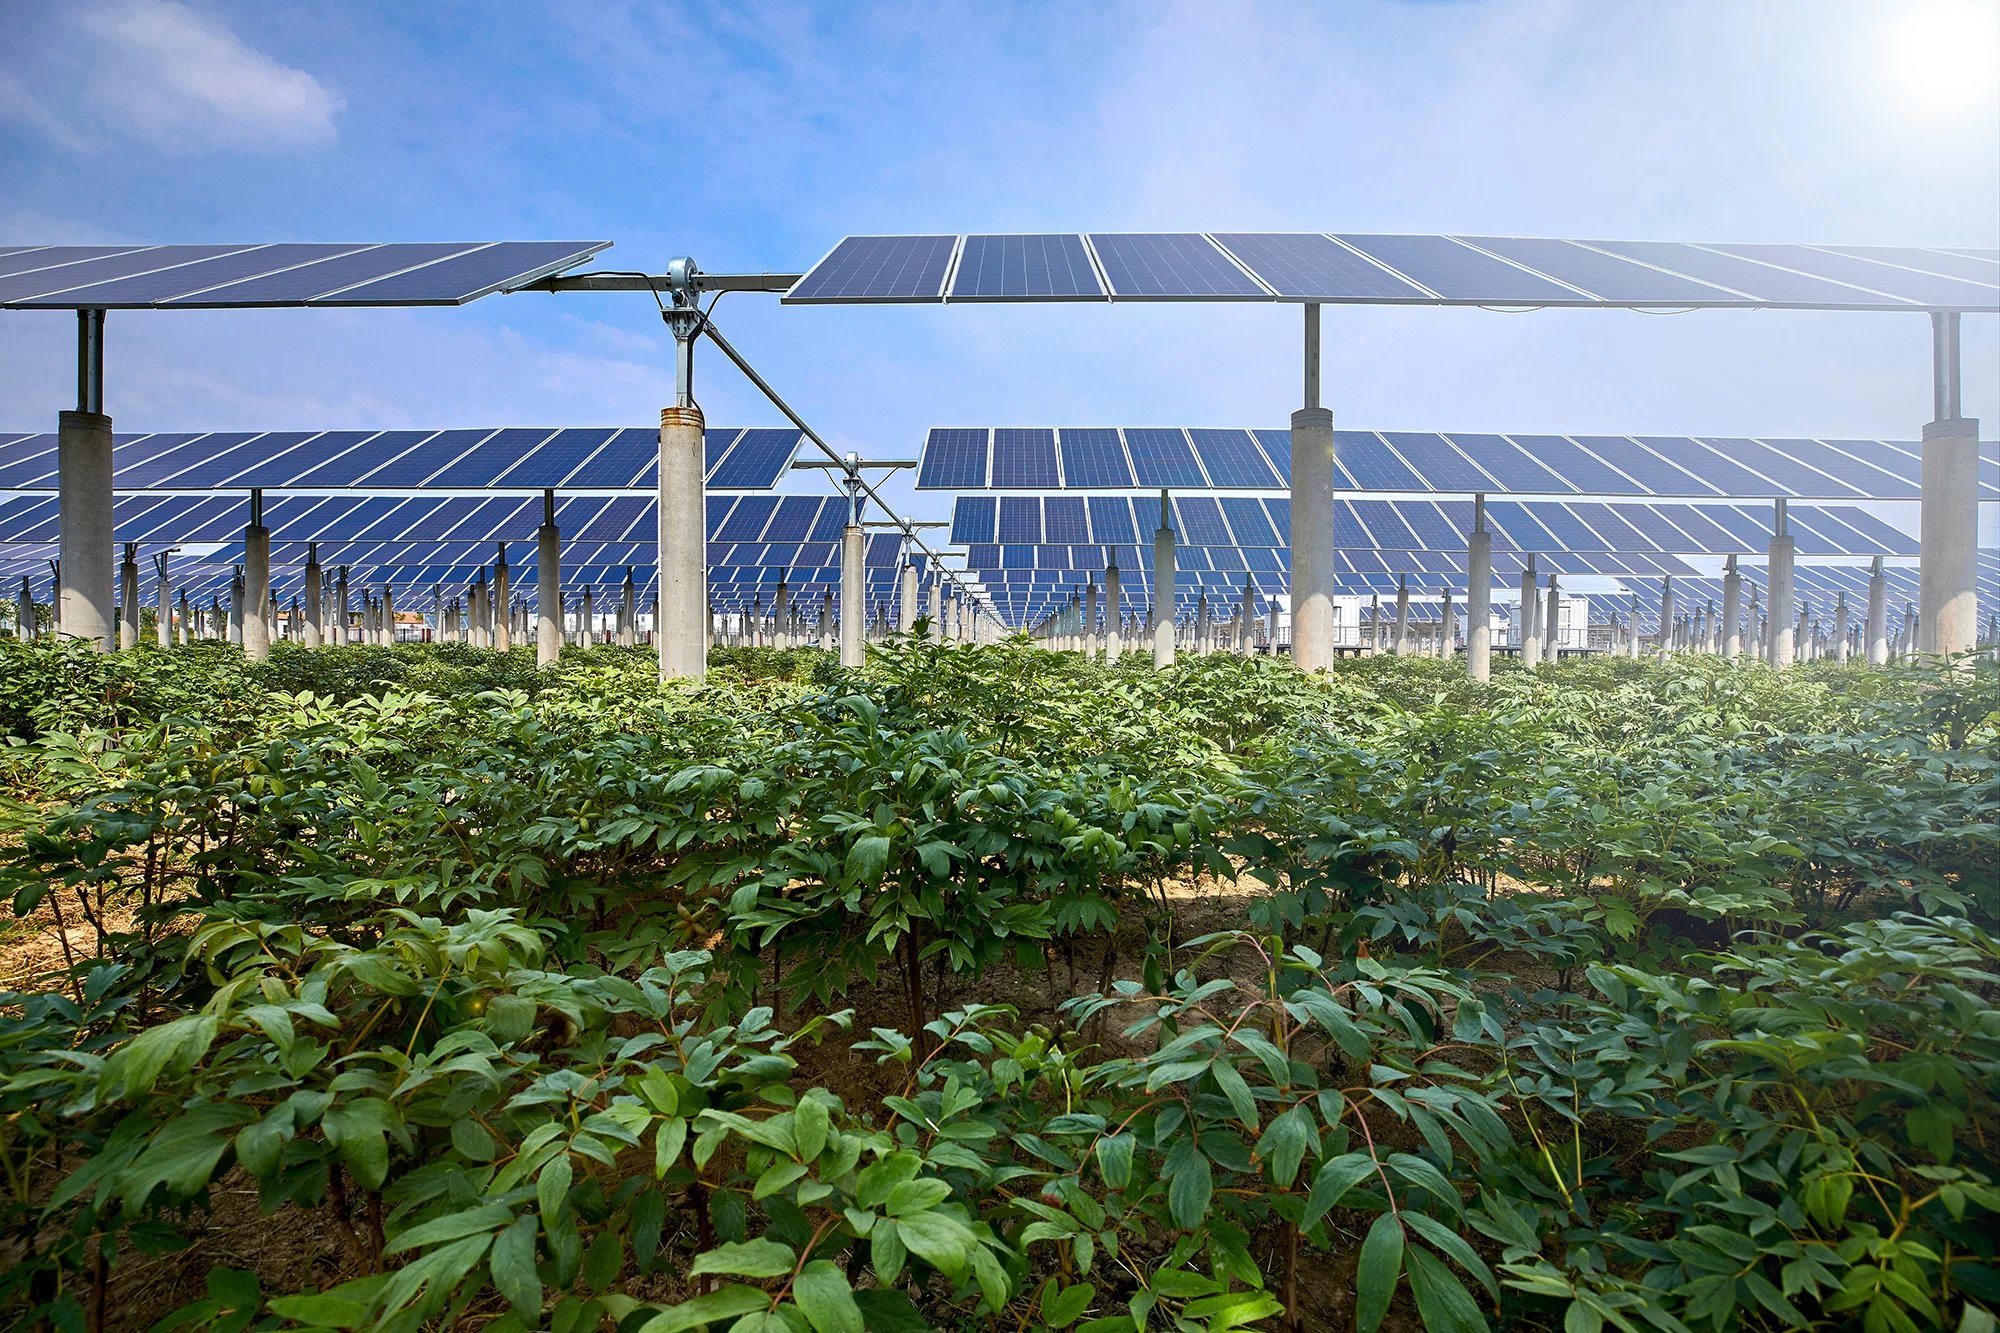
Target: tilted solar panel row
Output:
[(1373, 268), (1199, 459)]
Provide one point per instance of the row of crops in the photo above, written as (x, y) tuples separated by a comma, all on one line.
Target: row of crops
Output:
[(991, 988)]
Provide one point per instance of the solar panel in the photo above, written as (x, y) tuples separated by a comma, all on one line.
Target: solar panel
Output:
[(1781, 468), (1248, 521), (1020, 519), (974, 519), (1232, 459), (287, 274), (1584, 471), (1923, 288), (1314, 266), (1043, 268), (1111, 521), (1523, 532), (1901, 463), (1199, 521), (1434, 459), (1024, 458), (1615, 532), (1064, 521), (1759, 281), (1654, 472), (1509, 465), (1163, 458), (761, 456), (1277, 446), (954, 459), (1374, 467), (1866, 478), (1944, 263), (620, 462), (1454, 270), (1602, 275), (1093, 458), (1169, 265), (879, 268), (1716, 470)]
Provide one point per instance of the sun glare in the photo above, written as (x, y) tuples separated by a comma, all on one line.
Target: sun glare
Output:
[(1943, 56)]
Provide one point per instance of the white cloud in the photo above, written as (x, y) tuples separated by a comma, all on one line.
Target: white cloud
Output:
[(188, 84), (19, 103)]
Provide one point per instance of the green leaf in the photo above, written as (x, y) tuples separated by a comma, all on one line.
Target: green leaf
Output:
[(1375, 1279), (868, 859), (828, 1302), (513, 1265), (552, 1186), (750, 1258), (441, 1229), (1442, 1300), (1333, 1182), (916, 1196), (1114, 1159), (1063, 1306), (729, 1303), (1237, 1091), (809, 1128), (1190, 1185), (942, 1242)]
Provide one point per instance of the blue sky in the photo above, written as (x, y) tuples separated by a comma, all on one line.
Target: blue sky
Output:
[(753, 137)]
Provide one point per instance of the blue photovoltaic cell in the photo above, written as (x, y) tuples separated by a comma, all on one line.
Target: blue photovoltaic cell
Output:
[(1458, 271), (831, 522), (1602, 275), (1371, 464), (299, 285), (1583, 471), (1651, 469), (1024, 458), (1434, 532), (1111, 521), (379, 448), (1248, 521), (1064, 522), (1945, 263), (561, 455), (1869, 480), (760, 457), (1618, 535), (1052, 557), (1308, 264), (47, 282), (1807, 539), (793, 521), (163, 463), (1704, 535), (1570, 532), (1281, 518), (625, 457), (1200, 522), (220, 464), (1181, 265), (1093, 457), (1233, 459), (29, 463), (973, 519), (1781, 468), (879, 268), (1017, 557), (198, 276), (463, 277), (1712, 469), (1020, 519), (419, 463), (1759, 281), (1378, 519), (479, 465), (1035, 267), (715, 445), (1751, 529), (1510, 465), (954, 459), (1518, 522), (984, 555), (1875, 532), (1923, 288), (36, 257), (1162, 457), (1442, 466), (1277, 446)]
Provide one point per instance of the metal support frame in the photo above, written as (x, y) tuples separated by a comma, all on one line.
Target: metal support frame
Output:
[(90, 361)]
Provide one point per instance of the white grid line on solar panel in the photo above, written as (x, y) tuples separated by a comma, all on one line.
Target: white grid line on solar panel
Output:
[(1710, 264), (1165, 266), (1605, 276), (267, 260), (1873, 481), (1451, 268), (837, 275), (1651, 467), (1788, 474), (85, 272), (1328, 270), (1004, 266)]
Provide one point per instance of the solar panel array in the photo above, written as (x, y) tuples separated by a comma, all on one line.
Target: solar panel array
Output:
[(520, 459), (1104, 458), (1370, 268), (1060, 521), (187, 277)]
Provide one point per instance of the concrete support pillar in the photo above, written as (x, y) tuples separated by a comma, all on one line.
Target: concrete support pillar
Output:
[(83, 605), (1203, 629), (825, 623), (1313, 563), (1531, 640), (1402, 615), (1114, 613), (388, 616), (1479, 604), (937, 608), (163, 599), (628, 615), (1840, 618), (1782, 596), (128, 598), (587, 627), (341, 608), (183, 631), (781, 616), (256, 583), (1948, 535), (1666, 617), (1878, 615), (548, 586), (24, 611), (315, 626), (1447, 642), (1552, 622), (1163, 576), (683, 545), (503, 602), (853, 592), (1090, 634), (234, 629), (1246, 619), (1732, 611), (906, 597)]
